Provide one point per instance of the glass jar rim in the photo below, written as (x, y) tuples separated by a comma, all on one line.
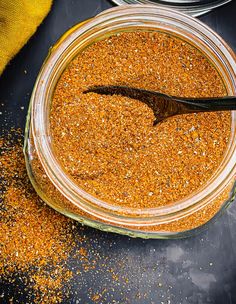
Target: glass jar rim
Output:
[(192, 7), (43, 145)]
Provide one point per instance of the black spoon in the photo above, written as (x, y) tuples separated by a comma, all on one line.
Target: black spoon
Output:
[(164, 105)]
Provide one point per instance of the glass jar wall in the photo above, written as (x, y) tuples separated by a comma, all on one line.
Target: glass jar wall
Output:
[(57, 189)]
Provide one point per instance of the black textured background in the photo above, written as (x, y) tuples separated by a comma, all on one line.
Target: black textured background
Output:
[(200, 269)]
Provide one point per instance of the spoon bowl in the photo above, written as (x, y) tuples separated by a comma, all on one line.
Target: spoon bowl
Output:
[(165, 106)]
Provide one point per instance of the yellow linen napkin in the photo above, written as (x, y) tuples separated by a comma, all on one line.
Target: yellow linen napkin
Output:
[(19, 20)]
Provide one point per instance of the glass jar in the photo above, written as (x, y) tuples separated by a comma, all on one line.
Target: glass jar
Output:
[(179, 219), (191, 7)]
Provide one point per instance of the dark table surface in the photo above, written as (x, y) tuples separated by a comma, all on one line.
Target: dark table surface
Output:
[(200, 269)]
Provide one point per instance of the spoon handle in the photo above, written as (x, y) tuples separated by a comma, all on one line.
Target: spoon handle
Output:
[(227, 103)]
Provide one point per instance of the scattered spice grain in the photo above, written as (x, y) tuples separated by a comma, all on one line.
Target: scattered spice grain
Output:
[(35, 240), (46, 257)]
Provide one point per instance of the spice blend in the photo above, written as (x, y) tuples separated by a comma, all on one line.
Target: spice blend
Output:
[(35, 240), (44, 256), (108, 145)]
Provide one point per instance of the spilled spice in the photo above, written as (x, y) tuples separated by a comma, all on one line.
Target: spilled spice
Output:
[(108, 145), (35, 240), (46, 257)]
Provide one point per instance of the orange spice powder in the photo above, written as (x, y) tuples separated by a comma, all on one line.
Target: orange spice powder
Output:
[(45, 256), (108, 145)]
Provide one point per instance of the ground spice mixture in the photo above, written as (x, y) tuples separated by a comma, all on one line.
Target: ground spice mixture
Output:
[(108, 144), (43, 254), (33, 237), (39, 248)]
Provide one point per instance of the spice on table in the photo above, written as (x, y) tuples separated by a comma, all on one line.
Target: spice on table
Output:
[(35, 240), (108, 145), (45, 256)]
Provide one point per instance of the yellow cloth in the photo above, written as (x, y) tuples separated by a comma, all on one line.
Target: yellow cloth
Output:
[(19, 20)]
